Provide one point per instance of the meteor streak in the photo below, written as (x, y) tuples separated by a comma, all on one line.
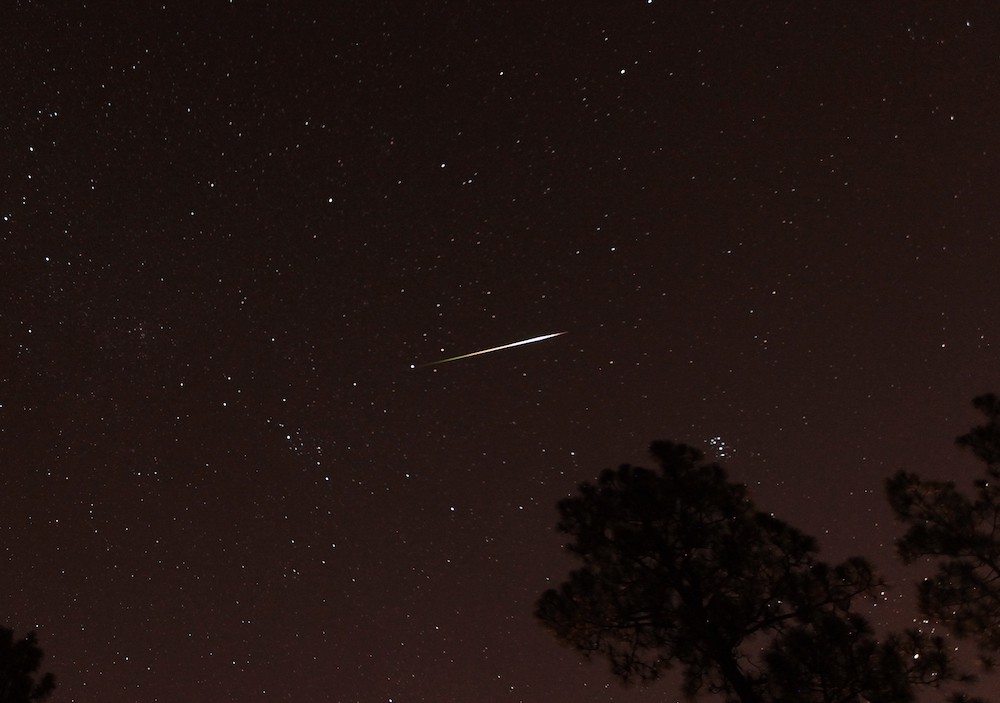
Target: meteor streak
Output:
[(491, 349)]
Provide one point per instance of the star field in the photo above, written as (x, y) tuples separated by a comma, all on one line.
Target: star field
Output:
[(230, 230)]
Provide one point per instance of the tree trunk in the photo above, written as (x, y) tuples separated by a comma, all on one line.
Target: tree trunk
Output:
[(731, 672)]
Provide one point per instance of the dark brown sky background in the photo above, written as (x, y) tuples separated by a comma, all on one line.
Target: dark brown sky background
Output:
[(229, 229)]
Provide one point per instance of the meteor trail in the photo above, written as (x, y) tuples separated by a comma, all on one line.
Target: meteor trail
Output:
[(487, 351)]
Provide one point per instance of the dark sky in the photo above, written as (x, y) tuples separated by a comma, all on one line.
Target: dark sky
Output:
[(229, 229)]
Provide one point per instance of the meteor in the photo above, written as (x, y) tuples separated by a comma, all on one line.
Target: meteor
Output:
[(487, 351)]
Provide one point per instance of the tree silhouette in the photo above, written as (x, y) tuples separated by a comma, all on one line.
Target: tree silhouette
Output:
[(680, 568), (19, 660), (962, 532)]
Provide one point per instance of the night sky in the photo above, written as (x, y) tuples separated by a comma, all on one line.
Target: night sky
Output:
[(230, 229)]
